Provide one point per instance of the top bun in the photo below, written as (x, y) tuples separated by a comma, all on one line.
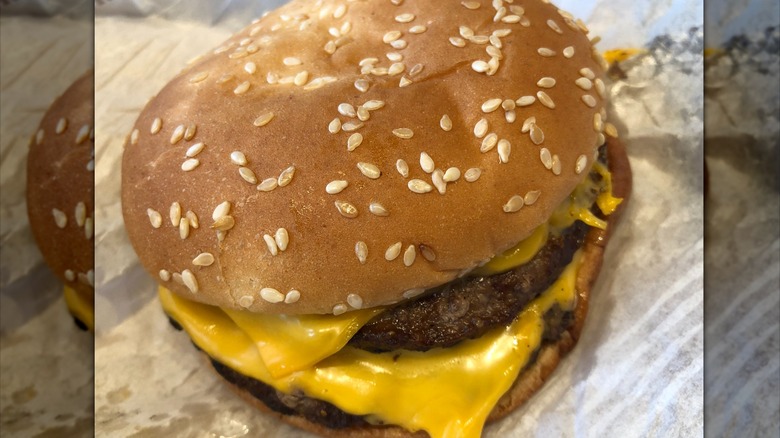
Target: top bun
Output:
[(60, 186), (266, 175)]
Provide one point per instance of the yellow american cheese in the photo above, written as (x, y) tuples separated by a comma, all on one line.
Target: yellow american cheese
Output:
[(446, 392), (80, 308)]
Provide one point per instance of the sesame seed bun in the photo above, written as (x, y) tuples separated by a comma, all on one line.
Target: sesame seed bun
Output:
[(550, 354), (241, 190), (60, 187)]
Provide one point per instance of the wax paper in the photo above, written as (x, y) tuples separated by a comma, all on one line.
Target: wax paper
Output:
[(46, 362), (638, 368)]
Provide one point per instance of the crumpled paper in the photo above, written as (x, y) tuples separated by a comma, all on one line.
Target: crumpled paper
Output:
[(638, 367), (46, 362)]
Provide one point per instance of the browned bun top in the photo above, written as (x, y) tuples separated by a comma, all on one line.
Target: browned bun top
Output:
[(60, 186), (253, 124)]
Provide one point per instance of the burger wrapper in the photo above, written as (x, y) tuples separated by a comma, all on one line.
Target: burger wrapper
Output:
[(637, 368), (45, 360)]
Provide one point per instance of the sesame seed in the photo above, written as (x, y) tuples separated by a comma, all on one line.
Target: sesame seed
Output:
[(272, 78), (404, 82), (402, 168), (419, 186), (155, 218), (495, 42), (610, 130), (292, 296), (584, 83), (409, 255), (527, 124), (404, 18), (292, 61), (545, 99), (556, 165), (88, 228), (339, 309), (514, 204), (362, 85), (221, 210), (263, 119), (198, 77), (83, 134), (395, 56), (416, 69), (271, 295), (537, 135), (164, 275), (346, 27), (81, 213), (346, 109), (378, 209), (546, 158), (399, 44), (437, 178), (452, 174), (510, 19), (178, 134), (391, 36), (568, 52), (190, 164), (184, 228), (271, 244), (404, 133), (426, 162), (393, 251), (601, 139), (189, 132), (282, 239), (369, 170), (238, 158), (582, 161), (334, 32), (465, 31), (531, 197), (334, 126), (268, 184), (554, 26), (480, 66), (195, 149), (508, 104), (193, 219), (203, 259), (589, 100), (175, 214), (492, 66), (351, 126), (547, 53), (39, 136), (156, 126), (598, 125), (368, 61), (224, 78), (286, 176), (189, 280), (472, 174), (470, 5), (62, 125), (417, 29), (301, 78), (336, 186), (361, 251), (330, 47), (600, 87), (355, 301), (411, 293), (445, 123), (354, 141), (546, 82), (59, 218), (481, 128), (250, 67), (500, 13), (242, 88), (588, 73), (489, 142), (247, 174), (396, 69), (491, 105), (373, 105), (340, 11), (246, 301), (457, 42), (525, 101), (346, 209), (504, 150)]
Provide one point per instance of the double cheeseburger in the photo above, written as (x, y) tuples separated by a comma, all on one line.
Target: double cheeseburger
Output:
[(60, 195), (381, 218)]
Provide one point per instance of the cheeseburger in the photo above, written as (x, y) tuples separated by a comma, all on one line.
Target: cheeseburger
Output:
[(60, 195), (381, 218)]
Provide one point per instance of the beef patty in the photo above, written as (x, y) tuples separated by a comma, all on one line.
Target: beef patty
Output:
[(471, 306)]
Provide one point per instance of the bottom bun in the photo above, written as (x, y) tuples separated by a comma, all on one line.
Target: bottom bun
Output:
[(532, 377)]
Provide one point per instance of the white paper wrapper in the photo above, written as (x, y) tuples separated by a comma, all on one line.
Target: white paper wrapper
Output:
[(45, 361), (638, 367)]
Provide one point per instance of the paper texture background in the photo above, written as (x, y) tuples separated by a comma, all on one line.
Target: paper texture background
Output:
[(45, 361), (637, 370)]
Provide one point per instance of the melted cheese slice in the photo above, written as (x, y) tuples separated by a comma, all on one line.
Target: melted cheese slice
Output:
[(520, 254), (446, 392), (79, 307)]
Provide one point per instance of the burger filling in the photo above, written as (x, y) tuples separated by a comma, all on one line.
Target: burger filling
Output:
[(449, 355)]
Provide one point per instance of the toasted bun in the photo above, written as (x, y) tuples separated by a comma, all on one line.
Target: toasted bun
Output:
[(333, 263), (60, 186), (533, 378)]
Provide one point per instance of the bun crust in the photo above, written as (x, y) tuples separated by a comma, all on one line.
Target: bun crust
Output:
[(333, 263), (533, 378), (60, 186)]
